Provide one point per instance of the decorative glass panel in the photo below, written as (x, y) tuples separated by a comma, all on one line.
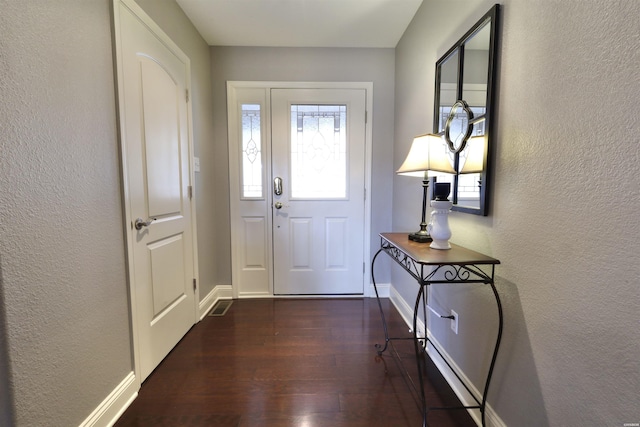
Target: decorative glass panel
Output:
[(318, 151), (251, 152)]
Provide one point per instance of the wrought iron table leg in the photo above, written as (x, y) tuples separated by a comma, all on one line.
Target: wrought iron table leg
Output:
[(379, 347), (495, 352), (420, 349)]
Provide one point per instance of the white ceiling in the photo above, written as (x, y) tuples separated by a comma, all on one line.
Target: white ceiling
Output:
[(301, 23)]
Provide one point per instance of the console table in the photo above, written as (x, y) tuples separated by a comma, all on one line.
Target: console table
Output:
[(432, 267)]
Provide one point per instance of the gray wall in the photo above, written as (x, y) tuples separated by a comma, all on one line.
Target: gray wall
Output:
[(317, 64), (173, 21), (62, 262), (564, 206), (64, 311)]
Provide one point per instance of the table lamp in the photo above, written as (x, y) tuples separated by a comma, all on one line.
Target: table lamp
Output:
[(428, 156)]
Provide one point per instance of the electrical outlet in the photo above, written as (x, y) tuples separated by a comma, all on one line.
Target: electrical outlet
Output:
[(454, 322)]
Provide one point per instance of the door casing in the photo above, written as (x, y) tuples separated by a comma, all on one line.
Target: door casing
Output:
[(236, 93)]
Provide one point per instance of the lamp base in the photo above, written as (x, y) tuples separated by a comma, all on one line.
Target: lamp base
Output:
[(420, 237), (439, 225)]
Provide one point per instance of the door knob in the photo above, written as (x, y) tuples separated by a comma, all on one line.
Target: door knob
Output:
[(278, 205), (139, 223)]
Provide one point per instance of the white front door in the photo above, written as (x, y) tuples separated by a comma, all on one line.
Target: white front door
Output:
[(318, 152), (153, 81), (309, 237)]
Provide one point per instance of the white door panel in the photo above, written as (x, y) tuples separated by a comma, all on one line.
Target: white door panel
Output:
[(156, 150), (255, 243), (160, 101)]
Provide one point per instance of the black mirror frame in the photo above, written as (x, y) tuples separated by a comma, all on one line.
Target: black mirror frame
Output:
[(491, 16)]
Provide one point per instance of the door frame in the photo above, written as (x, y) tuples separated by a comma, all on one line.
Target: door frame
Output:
[(234, 195), (122, 146)]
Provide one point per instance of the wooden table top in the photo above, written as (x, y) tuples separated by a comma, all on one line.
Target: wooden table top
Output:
[(423, 254)]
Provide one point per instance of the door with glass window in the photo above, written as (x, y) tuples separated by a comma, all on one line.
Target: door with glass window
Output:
[(318, 190)]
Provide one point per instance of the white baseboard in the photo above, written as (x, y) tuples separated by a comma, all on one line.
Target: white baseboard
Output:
[(111, 408), (405, 310), (383, 290), (217, 293), (491, 417), (263, 295)]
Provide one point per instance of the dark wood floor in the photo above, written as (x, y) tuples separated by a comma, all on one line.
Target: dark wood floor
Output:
[(290, 362)]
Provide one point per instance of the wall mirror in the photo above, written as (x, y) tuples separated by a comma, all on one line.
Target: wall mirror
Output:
[(463, 113)]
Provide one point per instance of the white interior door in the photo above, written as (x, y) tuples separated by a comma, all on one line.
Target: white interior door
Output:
[(318, 156), (153, 86)]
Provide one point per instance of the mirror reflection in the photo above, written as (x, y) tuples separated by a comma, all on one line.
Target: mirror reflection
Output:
[(465, 76), (448, 87), (476, 64)]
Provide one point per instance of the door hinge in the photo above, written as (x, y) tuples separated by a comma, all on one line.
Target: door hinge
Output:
[(363, 267), (365, 194), (195, 286), (366, 116), (187, 94), (190, 191)]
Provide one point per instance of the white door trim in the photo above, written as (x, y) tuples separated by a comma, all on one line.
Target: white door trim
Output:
[(232, 86), (133, 7)]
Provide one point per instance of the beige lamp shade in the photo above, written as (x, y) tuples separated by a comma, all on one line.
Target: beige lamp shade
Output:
[(474, 159), (428, 153)]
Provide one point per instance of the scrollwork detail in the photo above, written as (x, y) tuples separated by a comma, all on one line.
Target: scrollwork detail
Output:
[(456, 273)]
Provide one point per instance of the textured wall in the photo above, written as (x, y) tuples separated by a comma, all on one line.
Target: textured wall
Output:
[(318, 64), (61, 245), (168, 15), (563, 216), (6, 396)]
